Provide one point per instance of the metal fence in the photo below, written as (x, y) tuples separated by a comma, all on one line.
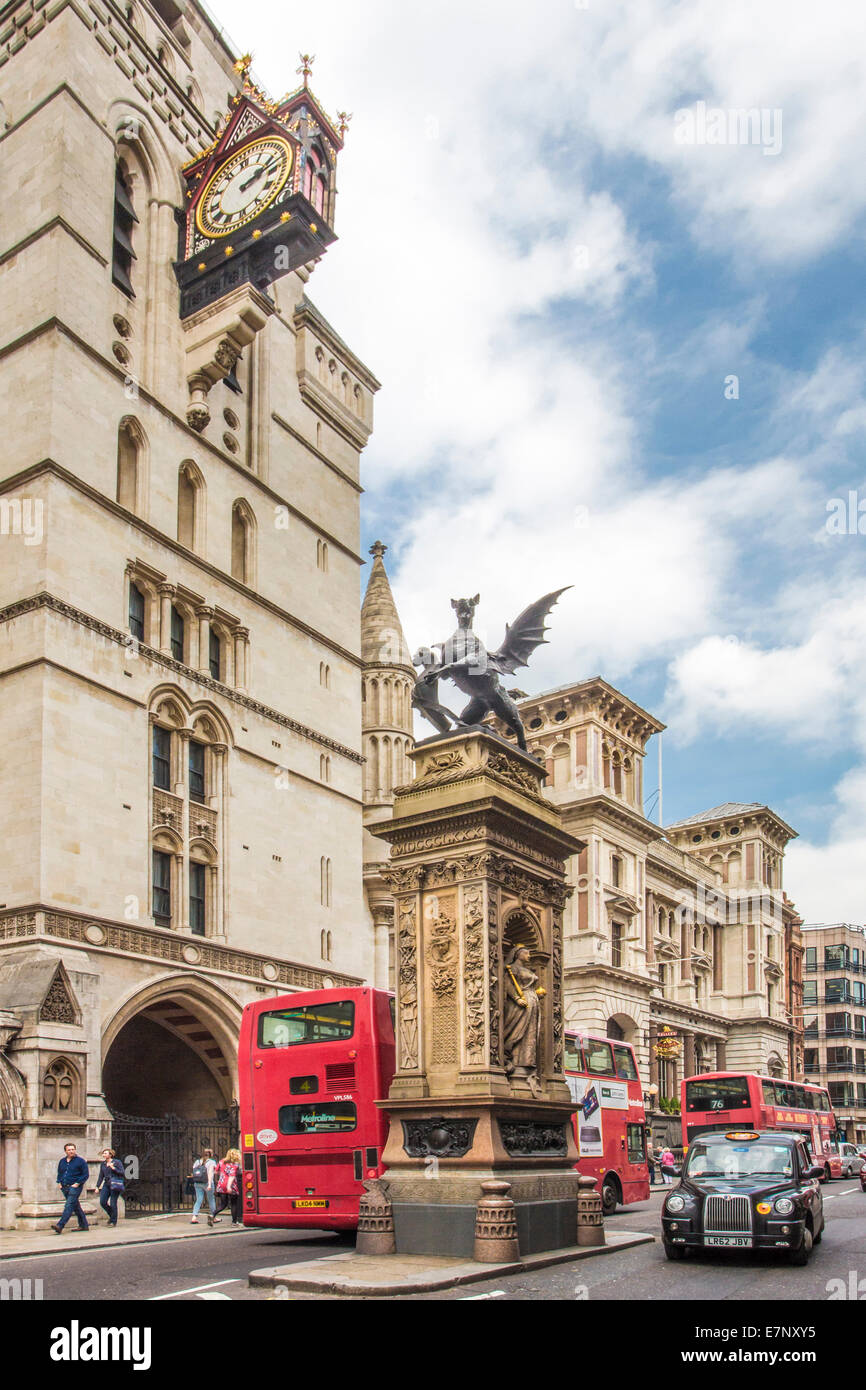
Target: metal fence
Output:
[(157, 1153)]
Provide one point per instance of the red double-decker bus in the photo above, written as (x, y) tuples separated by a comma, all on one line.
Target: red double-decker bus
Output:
[(751, 1102), (610, 1122), (311, 1067)]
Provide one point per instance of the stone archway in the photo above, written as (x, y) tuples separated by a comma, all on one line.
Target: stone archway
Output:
[(171, 1048), (169, 1077), (624, 1028)]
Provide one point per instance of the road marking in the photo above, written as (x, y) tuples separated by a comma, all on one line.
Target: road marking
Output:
[(226, 1296), (846, 1193), (198, 1289), (474, 1297)]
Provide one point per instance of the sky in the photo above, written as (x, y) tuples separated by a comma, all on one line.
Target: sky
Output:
[(620, 336)]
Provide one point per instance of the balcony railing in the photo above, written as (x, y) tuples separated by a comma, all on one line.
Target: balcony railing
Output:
[(849, 969)]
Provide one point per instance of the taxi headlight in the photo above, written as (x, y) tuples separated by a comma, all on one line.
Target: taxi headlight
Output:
[(675, 1204), (784, 1206)]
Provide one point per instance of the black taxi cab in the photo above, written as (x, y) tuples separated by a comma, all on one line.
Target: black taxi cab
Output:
[(743, 1190)]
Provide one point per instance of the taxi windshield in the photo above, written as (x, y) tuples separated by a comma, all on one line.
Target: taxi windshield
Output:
[(732, 1160)]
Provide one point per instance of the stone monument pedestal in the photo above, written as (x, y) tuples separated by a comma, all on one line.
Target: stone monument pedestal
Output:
[(477, 873)]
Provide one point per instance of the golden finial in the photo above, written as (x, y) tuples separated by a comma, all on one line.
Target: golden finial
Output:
[(244, 64), (306, 68), (344, 118)]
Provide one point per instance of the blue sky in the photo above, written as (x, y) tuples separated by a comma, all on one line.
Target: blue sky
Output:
[(553, 290)]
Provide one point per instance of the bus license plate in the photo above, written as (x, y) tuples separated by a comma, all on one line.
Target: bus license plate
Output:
[(739, 1241), (310, 1202)]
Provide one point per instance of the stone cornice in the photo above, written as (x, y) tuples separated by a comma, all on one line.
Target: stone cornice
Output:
[(199, 443), (324, 404), (604, 805), (317, 453), (112, 634), (45, 230), (98, 934), (307, 313), (107, 503)]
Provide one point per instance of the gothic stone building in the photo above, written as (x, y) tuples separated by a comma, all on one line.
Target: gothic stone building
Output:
[(180, 664)]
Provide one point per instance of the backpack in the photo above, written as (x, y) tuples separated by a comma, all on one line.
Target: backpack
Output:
[(199, 1171)]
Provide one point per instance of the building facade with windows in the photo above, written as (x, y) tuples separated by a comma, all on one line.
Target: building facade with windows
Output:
[(685, 929), (180, 662), (834, 1017)]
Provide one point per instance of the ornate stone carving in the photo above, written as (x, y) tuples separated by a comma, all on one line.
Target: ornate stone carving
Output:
[(168, 809), (403, 878), (475, 1033), (528, 1137), (494, 966), (442, 956), (407, 992), (556, 1011), (163, 945), (57, 1006), (198, 416), (226, 355), (444, 767), (510, 771), (438, 1137)]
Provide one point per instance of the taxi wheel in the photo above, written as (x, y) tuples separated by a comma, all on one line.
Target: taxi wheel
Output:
[(826, 1177), (674, 1252), (816, 1240), (801, 1256)]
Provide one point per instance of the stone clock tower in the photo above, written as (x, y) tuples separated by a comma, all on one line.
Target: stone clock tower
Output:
[(180, 663)]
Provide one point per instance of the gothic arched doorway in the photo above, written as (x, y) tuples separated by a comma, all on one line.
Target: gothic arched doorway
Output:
[(168, 1077)]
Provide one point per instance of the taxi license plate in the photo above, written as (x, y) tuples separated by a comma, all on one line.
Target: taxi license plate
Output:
[(310, 1202), (739, 1241)]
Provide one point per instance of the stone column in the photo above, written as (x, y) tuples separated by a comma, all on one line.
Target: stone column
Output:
[(653, 1059), (166, 598), (241, 643), (204, 615), (688, 1054)]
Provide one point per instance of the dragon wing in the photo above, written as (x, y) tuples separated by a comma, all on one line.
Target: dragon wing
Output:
[(524, 635)]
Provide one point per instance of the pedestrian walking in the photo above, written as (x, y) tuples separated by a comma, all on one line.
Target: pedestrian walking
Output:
[(202, 1176), (228, 1186), (651, 1161), (72, 1175), (110, 1184), (666, 1160)]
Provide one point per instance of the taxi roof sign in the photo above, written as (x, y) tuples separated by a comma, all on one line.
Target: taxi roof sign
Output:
[(742, 1134)]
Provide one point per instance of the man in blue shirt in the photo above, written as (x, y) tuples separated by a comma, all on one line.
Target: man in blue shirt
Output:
[(72, 1176)]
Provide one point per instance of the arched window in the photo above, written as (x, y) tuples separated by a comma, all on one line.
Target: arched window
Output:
[(324, 675), (325, 872), (613, 1030), (322, 555), (325, 767), (129, 447), (136, 611), (190, 507), (316, 181), (178, 635), (60, 1087), (243, 550), (125, 221)]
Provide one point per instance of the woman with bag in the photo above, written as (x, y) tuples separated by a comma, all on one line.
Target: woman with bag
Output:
[(111, 1181), (229, 1186), (202, 1177)]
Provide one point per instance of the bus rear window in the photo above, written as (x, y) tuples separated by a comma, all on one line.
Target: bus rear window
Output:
[(599, 1058), (724, 1093), (308, 1023), (625, 1067), (326, 1117)]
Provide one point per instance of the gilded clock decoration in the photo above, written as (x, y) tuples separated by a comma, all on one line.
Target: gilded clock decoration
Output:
[(244, 186)]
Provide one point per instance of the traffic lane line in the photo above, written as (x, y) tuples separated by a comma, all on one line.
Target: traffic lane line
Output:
[(179, 1293), (846, 1193)]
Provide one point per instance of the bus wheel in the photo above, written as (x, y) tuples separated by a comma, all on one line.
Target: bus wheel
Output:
[(801, 1256), (674, 1252), (609, 1197)]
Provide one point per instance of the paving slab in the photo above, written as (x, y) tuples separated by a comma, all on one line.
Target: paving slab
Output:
[(383, 1276)]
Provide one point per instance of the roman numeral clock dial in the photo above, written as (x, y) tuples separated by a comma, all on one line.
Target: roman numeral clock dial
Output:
[(244, 186)]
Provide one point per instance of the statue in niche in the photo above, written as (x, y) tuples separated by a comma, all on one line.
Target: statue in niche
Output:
[(522, 1021), (475, 671)]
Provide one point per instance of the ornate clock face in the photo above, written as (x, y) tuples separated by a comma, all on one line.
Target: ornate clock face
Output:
[(244, 186)]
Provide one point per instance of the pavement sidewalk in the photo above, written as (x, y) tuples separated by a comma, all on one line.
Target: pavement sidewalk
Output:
[(383, 1276), (137, 1230)]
